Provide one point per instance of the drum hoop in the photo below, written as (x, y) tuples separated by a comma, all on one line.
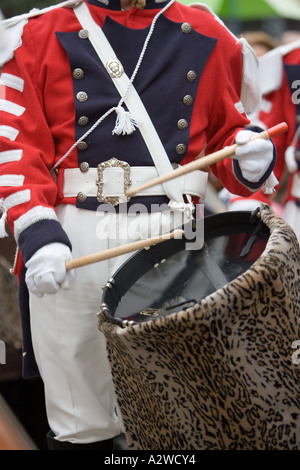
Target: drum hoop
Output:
[(228, 223)]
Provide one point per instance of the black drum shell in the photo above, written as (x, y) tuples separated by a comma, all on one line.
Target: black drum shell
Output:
[(237, 229)]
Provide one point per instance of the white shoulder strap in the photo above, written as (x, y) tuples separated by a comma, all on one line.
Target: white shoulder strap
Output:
[(132, 100), (271, 66), (290, 47), (271, 71)]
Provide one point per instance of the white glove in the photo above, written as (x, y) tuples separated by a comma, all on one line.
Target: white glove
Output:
[(254, 157), (290, 159), (46, 270)]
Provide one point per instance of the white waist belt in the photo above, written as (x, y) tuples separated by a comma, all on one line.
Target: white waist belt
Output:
[(75, 181)]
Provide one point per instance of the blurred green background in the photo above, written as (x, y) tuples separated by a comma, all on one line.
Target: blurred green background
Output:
[(271, 16), (16, 7)]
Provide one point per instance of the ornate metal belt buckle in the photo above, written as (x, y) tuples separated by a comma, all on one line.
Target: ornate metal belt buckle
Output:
[(113, 163)]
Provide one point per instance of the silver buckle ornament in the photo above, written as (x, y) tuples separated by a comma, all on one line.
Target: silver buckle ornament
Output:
[(114, 68), (113, 163)]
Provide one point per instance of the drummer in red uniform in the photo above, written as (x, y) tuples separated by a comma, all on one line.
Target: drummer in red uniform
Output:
[(164, 84), (284, 102), (280, 85)]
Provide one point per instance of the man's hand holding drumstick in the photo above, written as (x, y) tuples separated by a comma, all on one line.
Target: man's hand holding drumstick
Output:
[(58, 273), (237, 150)]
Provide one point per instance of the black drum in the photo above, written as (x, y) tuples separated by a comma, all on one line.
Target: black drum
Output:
[(173, 275), (200, 342)]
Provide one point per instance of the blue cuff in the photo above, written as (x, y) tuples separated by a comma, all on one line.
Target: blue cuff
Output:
[(237, 170), (40, 234)]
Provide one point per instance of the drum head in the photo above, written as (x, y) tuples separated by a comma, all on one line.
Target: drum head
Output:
[(171, 276)]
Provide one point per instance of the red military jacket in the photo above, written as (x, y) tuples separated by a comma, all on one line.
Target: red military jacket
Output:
[(56, 88), (283, 104)]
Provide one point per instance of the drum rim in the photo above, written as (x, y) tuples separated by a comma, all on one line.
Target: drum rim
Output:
[(116, 287)]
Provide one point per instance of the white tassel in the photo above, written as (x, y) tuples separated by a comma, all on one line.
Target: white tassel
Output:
[(3, 232), (126, 123), (186, 208), (269, 186)]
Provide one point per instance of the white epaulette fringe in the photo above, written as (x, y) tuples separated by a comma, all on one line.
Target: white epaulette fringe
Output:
[(3, 39), (270, 184), (3, 212), (11, 29), (271, 66), (251, 89)]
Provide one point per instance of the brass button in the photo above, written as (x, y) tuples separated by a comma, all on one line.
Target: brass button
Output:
[(84, 167), (82, 96), (83, 34), (81, 197), (191, 76), (114, 68), (186, 28), (298, 119), (82, 145), (83, 121), (180, 149), (78, 74), (182, 124), (188, 100)]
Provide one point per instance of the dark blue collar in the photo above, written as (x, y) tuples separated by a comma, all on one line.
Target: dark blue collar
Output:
[(115, 4)]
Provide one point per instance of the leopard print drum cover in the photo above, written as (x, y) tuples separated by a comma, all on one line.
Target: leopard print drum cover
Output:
[(218, 375)]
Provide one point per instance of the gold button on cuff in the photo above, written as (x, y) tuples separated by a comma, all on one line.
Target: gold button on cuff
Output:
[(188, 100), (191, 76), (78, 74), (180, 149), (83, 34), (182, 124), (83, 121), (82, 146), (186, 28), (82, 96), (84, 167), (81, 197)]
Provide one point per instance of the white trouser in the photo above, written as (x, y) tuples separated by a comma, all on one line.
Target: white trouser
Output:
[(291, 215), (70, 350), (245, 204)]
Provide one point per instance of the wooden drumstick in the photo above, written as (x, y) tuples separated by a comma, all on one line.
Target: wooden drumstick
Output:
[(206, 161), (121, 250)]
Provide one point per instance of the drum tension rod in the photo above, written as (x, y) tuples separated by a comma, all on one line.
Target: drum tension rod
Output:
[(104, 309), (109, 283)]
